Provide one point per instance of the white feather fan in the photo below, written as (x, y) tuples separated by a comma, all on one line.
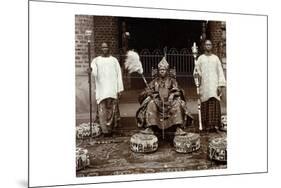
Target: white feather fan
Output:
[(133, 63)]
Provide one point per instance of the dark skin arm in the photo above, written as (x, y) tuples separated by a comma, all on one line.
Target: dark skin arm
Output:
[(89, 70), (119, 95), (219, 90)]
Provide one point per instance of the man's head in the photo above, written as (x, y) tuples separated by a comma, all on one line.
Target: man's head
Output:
[(104, 49), (163, 72), (208, 46), (163, 67)]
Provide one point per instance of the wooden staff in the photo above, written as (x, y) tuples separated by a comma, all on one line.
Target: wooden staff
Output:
[(88, 34), (196, 78), (163, 133), (197, 83)]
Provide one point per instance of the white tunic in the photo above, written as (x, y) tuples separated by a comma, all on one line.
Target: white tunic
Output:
[(108, 77), (211, 73)]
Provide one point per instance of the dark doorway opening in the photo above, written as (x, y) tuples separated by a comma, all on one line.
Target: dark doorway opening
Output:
[(152, 36)]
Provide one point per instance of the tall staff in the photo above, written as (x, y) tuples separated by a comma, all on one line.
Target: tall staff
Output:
[(197, 82), (163, 121), (88, 34)]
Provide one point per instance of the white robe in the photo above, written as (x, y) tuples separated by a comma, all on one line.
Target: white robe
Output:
[(108, 77), (212, 76)]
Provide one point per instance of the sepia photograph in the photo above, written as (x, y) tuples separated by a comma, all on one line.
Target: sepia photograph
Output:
[(150, 95), (140, 93), (102, 93)]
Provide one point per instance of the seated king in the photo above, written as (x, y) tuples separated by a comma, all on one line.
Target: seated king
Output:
[(163, 105)]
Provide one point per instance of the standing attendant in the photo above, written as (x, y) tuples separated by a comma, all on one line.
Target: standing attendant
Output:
[(109, 85), (212, 81)]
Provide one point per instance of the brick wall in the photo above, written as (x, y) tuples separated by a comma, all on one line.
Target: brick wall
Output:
[(82, 23), (215, 28), (106, 30), (218, 36)]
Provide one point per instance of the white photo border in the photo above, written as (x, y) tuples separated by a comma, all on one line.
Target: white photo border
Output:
[(132, 7)]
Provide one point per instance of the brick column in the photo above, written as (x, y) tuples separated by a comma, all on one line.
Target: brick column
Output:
[(218, 37), (106, 30), (82, 23), (215, 34)]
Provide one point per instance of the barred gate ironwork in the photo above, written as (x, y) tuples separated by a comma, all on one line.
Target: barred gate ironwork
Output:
[(181, 60)]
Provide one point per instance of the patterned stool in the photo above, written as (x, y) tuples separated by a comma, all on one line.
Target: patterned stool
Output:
[(187, 143), (218, 149), (143, 143), (82, 158), (84, 130)]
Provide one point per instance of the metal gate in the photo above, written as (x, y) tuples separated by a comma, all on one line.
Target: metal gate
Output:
[(181, 60)]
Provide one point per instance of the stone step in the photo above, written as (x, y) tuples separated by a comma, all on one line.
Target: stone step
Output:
[(129, 109), (131, 96)]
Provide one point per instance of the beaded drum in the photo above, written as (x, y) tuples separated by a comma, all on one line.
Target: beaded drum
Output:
[(82, 158), (218, 149), (143, 143), (187, 143), (84, 130)]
